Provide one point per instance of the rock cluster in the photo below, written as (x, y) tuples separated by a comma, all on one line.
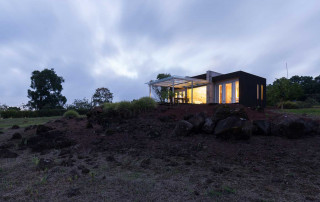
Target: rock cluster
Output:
[(227, 123)]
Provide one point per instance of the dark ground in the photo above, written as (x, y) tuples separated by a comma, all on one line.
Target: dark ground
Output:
[(139, 160)]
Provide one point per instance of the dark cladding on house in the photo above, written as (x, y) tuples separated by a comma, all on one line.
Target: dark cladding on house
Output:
[(212, 87)]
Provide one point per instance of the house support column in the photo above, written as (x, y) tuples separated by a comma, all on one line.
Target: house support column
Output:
[(173, 91), (192, 92)]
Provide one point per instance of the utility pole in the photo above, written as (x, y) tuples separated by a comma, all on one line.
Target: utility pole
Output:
[(287, 71)]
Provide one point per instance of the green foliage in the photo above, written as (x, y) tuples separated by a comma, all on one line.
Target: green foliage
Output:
[(288, 105), (162, 93), (46, 93), (110, 106), (71, 114), (144, 104), (102, 95), (32, 114), (283, 90), (35, 160), (127, 109), (80, 105)]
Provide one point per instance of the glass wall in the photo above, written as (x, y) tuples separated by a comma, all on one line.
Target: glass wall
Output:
[(228, 92), (199, 95), (220, 93), (237, 91)]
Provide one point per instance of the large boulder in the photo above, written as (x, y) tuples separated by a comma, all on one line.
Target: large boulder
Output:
[(183, 128), (293, 127), (224, 111), (262, 127), (208, 126), (197, 121), (233, 128)]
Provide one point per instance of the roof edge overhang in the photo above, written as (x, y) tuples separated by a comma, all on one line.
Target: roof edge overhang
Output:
[(178, 82)]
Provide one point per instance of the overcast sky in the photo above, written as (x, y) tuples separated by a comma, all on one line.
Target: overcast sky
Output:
[(123, 44)]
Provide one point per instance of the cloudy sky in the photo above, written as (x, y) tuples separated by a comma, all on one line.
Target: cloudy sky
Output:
[(123, 44)]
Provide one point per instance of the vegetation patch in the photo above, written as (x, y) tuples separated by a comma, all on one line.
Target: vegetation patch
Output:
[(71, 114)]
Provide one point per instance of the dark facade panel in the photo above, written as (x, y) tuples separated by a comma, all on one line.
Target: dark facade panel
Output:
[(247, 87), (201, 76)]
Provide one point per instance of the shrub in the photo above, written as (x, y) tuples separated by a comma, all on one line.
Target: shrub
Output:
[(288, 105), (124, 108), (109, 106), (144, 104), (311, 102), (71, 114)]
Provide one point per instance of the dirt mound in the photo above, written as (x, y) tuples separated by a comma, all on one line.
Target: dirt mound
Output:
[(47, 138)]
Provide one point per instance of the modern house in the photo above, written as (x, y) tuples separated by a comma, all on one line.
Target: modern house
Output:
[(212, 87)]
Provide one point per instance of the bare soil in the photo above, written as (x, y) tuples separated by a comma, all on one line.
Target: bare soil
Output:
[(138, 159)]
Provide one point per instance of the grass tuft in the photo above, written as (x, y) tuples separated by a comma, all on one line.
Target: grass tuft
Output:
[(71, 114)]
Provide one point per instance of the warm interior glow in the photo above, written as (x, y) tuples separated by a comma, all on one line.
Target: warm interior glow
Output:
[(261, 92), (228, 93), (199, 95), (220, 93), (257, 91), (237, 91)]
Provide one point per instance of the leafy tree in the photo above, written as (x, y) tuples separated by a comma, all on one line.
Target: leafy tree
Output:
[(46, 93), (102, 95), (3, 107), (162, 93), (80, 104), (283, 90)]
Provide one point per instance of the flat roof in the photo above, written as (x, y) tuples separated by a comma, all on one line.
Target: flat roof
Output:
[(178, 82)]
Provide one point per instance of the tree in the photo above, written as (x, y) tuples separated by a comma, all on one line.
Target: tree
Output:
[(162, 93), (46, 93), (102, 95), (80, 104), (282, 90)]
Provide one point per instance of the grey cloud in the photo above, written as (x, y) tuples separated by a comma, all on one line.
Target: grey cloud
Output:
[(123, 44)]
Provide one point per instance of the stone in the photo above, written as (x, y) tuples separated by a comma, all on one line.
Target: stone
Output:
[(45, 164), (153, 134), (183, 128), (6, 153), (262, 126), (15, 127), (234, 128), (43, 129), (225, 128), (208, 126), (73, 192), (145, 163), (197, 121), (16, 136)]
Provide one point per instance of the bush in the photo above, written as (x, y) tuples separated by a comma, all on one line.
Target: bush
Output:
[(311, 102), (71, 114), (31, 114), (109, 106), (144, 104), (288, 105)]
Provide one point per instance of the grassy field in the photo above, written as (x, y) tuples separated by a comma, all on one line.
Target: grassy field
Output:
[(24, 122), (309, 111)]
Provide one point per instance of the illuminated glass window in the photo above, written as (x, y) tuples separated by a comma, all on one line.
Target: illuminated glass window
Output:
[(237, 91), (261, 92), (257, 91), (220, 93), (228, 93)]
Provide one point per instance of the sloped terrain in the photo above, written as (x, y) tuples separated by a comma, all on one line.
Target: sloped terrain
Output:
[(142, 158)]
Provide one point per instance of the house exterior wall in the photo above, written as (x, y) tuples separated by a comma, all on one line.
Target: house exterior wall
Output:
[(247, 88)]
